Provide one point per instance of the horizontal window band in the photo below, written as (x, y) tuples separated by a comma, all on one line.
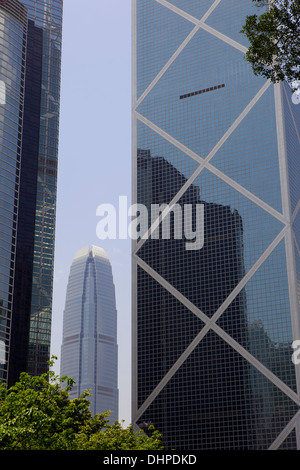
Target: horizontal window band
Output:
[(199, 92), (107, 339)]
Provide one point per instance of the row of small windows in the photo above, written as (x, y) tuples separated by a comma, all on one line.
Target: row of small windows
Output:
[(205, 90)]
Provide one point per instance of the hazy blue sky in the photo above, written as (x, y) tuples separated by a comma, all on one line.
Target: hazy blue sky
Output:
[(95, 155)]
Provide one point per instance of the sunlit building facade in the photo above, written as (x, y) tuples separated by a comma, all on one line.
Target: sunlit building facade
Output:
[(89, 352), (30, 38), (213, 328)]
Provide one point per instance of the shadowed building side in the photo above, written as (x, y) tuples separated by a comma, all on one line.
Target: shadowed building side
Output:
[(30, 65)]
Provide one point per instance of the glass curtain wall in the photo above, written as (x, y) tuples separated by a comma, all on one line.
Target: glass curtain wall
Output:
[(213, 327), (13, 39)]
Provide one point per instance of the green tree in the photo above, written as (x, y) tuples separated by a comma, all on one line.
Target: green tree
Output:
[(274, 38), (37, 414)]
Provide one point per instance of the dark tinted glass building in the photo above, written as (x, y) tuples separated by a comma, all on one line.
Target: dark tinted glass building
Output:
[(213, 327), (29, 120)]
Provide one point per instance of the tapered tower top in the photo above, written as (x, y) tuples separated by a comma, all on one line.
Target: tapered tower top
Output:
[(93, 251)]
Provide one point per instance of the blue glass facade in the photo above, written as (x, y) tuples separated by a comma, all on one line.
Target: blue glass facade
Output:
[(213, 328), (32, 50), (89, 352), (13, 23), (46, 17)]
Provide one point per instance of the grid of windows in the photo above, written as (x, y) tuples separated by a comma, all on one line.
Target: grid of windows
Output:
[(13, 25), (47, 16), (30, 72), (213, 327), (217, 400)]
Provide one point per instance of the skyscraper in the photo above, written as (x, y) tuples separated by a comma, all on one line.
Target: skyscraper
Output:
[(29, 123), (89, 352), (213, 328)]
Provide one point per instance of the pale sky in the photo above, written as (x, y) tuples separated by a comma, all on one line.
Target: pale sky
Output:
[(95, 156)]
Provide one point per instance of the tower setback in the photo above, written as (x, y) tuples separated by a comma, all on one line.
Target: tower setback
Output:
[(89, 352)]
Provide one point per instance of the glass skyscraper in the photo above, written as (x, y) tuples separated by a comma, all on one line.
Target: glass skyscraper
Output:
[(213, 327), (30, 62), (89, 352)]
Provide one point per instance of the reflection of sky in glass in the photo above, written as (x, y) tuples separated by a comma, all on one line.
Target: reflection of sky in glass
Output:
[(157, 46), (199, 122), (250, 154), (47, 17), (12, 55)]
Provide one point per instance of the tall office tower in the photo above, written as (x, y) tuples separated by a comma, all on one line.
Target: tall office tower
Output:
[(213, 326), (30, 38), (89, 352)]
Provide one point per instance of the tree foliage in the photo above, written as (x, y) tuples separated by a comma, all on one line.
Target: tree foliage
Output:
[(274, 38), (37, 414)]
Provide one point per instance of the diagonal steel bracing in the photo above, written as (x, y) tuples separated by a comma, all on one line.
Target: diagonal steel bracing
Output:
[(286, 218)]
